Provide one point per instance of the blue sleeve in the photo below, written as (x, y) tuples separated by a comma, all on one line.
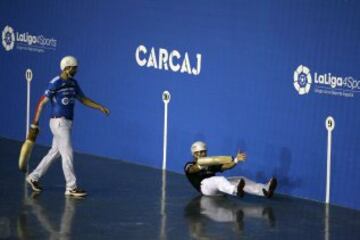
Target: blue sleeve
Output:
[(79, 93), (50, 91)]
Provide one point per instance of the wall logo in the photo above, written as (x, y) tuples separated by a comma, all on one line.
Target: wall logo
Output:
[(26, 41), (302, 80), (324, 83), (163, 59), (8, 38)]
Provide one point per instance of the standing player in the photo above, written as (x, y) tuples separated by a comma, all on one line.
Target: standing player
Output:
[(62, 92), (204, 179)]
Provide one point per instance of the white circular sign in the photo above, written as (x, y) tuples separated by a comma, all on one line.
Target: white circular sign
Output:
[(166, 96), (28, 75), (65, 101), (8, 38), (330, 123), (302, 80)]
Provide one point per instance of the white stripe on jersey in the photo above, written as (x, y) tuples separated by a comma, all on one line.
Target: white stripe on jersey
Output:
[(66, 89), (55, 79)]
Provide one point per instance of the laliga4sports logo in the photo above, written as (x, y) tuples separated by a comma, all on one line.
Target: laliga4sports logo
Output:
[(302, 80), (26, 41), (8, 38), (324, 83)]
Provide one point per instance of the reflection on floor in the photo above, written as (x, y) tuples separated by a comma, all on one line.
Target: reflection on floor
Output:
[(129, 201), (227, 213)]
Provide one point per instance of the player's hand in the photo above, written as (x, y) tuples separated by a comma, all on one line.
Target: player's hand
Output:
[(193, 168), (105, 110), (240, 157), (33, 132)]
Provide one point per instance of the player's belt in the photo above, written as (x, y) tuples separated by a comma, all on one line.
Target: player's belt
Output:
[(62, 117)]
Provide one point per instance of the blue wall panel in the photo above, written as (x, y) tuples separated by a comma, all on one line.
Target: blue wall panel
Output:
[(244, 96)]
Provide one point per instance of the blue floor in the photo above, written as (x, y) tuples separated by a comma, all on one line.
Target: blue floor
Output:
[(129, 201)]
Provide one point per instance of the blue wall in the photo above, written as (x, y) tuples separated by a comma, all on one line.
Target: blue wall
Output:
[(243, 97)]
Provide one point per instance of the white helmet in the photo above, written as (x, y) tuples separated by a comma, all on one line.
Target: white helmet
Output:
[(68, 61), (198, 146)]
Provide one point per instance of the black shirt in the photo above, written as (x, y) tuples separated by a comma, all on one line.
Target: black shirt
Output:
[(196, 178)]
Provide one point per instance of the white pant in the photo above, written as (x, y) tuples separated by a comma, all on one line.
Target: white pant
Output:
[(219, 185), (61, 146), (250, 186)]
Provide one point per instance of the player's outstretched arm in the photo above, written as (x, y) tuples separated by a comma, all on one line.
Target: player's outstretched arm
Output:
[(240, 157), (42, 102), (228, 166), (90, 103)]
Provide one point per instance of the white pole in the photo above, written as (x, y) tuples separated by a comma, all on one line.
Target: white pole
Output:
[(163, 207), (28, 77), (327, 222), (330, 125), (166, 99)]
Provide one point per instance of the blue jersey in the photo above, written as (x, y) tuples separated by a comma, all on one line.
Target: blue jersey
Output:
[(62, 94)]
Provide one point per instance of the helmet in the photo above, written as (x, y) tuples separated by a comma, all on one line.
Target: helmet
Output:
[(68, 61), (198, 146)]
